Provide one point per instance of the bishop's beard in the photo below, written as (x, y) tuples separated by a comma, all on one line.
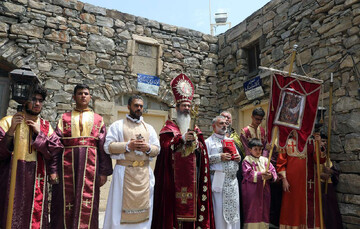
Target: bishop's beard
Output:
[(183, 121)]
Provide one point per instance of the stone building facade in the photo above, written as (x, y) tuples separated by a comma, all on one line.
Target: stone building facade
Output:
[(68, 42), (327, 35)]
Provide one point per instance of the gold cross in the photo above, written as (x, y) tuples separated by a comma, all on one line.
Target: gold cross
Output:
[(69, 206), (184, 195), (86, 202), (39, 178), (83, 142), (97, 127), (310, 182), (67, 126)]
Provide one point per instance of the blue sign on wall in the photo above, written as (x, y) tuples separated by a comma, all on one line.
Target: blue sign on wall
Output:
[(148, 84), (253, 88)]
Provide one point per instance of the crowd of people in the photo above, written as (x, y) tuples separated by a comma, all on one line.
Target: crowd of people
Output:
[(225, 181)]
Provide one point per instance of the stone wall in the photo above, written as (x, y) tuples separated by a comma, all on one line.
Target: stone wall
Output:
[(68, 42), (325, 31)]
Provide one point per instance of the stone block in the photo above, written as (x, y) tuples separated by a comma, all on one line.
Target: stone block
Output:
[(101, 63), (53, 84), (100, 43), (88, 18), (62, 97), (73, 57), (55, 56), (37, 5), (236, 31), (204, 46), (88, 57), (352, 142), (53, 9), (351, 220), (169, 28), (210, 39), (104, 21), (347, 123), (351, 41), (58, 36), (64, 106), (4, 27), (94, 9), (119, 15), (27, 29), (119, 23), (192, 61), (89, 28), (184, 31), (108, 32), (13, 8), (349, 209), (58, 73), (350, 167), (343, 26), (349, 183), (103, 107), (346, 104), (44, 66)]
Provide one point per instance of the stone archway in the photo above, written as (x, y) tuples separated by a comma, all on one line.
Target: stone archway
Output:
[(11, 57)]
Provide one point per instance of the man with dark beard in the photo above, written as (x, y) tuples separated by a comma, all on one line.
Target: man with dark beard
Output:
[(182, 189), (132, 143), (23, 165)]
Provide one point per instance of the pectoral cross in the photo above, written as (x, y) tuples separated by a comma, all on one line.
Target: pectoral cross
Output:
[(39, 178), (310, 182), (86, 202), (69, 206), (184, 195), (292, 145)]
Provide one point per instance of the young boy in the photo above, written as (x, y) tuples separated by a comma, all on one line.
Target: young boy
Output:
[(255, 197)]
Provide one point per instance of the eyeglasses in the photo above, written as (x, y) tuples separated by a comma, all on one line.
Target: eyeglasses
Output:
[(34, 100)]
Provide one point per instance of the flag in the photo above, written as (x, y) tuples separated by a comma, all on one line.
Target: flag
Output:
[(293, 106)]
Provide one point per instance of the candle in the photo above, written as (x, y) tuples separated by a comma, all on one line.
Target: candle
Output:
[(332, 78)]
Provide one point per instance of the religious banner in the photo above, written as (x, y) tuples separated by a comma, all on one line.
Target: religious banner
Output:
[(293, 106), (148, 84)]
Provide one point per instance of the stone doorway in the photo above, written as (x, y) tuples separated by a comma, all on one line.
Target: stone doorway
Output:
[(245, 114), (4, 92)]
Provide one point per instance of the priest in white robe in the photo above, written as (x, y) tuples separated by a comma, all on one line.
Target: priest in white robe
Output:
[(133, 143), (224, 164)]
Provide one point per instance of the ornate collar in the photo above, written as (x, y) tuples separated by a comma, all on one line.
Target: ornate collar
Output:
[(133, 119)]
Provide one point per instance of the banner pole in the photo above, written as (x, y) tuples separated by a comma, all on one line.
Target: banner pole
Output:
[(271, 151), (329, 128), (292, 58), (319, 183)]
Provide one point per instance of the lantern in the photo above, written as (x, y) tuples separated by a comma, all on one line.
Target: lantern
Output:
[(23, 81)]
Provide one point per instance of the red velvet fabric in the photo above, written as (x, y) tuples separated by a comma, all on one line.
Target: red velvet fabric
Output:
[(164, 215), (311, 103)]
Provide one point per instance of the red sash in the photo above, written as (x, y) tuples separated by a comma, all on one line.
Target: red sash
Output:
[(87, 195), (185, 186)]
